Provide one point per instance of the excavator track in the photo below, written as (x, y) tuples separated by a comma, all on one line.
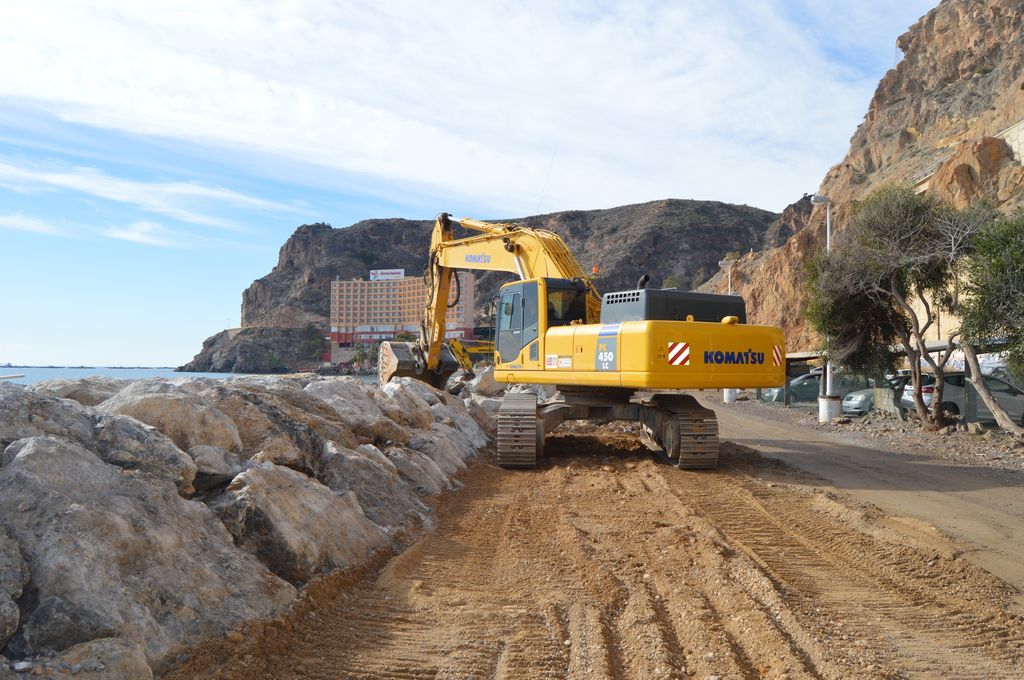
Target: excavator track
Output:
[(687, 431), (520, 438)]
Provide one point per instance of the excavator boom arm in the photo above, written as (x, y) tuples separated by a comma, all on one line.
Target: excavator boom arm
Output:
[(527, 252)]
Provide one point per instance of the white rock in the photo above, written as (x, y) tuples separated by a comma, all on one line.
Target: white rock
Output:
[(281, 424), (187, 418), (118, 440), (215, 466), (454, 414), (403, 403), (295, 524), (88, 391), (439, 447), (489, 405), (117, 554), (385, 496), (485, 385), (543, 392), (353, 401), (424, 474)]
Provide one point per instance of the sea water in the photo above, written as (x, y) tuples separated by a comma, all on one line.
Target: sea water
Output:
[(34, 374)]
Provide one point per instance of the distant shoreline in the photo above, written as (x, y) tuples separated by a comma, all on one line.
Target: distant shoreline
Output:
[(119, 368)]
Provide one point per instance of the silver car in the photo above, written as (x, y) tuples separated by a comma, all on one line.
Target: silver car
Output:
[(954, 394), (858, 403), (861, 402)]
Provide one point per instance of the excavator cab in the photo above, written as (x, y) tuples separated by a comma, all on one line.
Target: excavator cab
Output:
[(526, 309)]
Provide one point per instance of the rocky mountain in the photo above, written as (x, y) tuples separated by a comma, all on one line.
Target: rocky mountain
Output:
[(945, 120), (678, 242)]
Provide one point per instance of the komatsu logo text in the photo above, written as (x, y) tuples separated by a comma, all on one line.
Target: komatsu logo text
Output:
[(478, 259), (748, 357)]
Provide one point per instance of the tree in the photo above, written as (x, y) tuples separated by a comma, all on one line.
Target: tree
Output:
[(312, 342), (673, 281), (992, 306), (885, 280)]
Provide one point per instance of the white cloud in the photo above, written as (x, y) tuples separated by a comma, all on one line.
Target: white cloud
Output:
[(172, 199), (20, 222), (146, 233), (633, 101)]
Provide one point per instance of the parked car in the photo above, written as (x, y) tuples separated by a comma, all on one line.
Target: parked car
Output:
[(808, 387), (861, 402), (954, 394), (802, 388)]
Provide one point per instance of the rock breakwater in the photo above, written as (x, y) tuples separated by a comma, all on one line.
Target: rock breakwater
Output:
[(150, 514)]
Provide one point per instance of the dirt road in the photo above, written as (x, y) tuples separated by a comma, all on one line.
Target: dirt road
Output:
[(982, 507), (606, 564)]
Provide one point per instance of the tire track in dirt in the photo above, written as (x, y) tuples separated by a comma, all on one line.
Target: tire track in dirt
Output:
[(934, 622), (606, 564)]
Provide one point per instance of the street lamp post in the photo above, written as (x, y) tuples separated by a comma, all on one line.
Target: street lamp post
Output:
[(727, 263), (826, 408), (728, 394)]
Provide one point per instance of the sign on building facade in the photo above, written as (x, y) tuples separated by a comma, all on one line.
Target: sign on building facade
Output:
[(387, 274)]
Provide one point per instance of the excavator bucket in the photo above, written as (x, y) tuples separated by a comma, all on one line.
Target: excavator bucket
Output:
[(404, 359)]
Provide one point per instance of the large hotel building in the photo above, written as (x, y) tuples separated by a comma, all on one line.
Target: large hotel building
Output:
[(390, 303)]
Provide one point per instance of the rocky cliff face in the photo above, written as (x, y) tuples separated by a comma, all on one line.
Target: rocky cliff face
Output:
[(934, 122), (678, 242)]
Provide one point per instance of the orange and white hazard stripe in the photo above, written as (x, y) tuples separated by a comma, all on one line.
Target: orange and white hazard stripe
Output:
[(679, 353), (776, 355)]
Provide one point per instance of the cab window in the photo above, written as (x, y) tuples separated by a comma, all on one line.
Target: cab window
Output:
[(518, 322), (566, 305)]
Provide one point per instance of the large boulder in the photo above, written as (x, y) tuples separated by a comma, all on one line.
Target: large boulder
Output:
[(88, 391), (185, 417), (352, 400), (14, 577), (407, 402), (114, 553), (294, 524), (386, 497), (484, 384), (454, 413), (280, 422), (431, 405), (118, 440), (214, 466), (436, 445), (423, 473), (101, 659)]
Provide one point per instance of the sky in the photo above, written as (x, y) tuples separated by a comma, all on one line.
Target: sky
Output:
[(154, 156)]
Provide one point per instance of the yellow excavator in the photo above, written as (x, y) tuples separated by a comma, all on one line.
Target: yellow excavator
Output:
[(623, 356)]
